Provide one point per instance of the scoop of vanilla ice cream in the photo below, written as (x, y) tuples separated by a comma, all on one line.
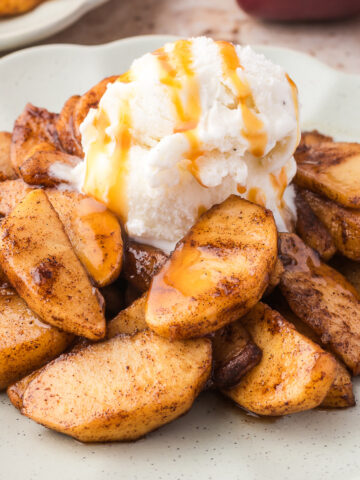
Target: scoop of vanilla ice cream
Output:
[(186, 127)]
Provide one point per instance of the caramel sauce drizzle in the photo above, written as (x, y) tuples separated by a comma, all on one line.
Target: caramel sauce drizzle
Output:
[(191, 270), (202, 209), (109, 185), (241, 189), (256, 195), (279, 183), (176, 72), (294, 94), (253, 129)]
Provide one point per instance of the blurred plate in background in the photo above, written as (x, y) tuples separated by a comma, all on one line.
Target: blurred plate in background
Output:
[(46, 19)]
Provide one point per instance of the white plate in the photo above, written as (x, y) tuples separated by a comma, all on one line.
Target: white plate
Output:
[(46, 19), (215, 440)]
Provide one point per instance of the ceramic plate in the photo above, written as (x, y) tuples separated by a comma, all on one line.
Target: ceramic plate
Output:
[(215, 440), (47, 19)]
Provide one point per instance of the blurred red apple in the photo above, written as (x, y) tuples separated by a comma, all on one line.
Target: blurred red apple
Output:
[(300, 9)]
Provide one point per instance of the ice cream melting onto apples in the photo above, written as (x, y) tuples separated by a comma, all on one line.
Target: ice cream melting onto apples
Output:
[(185, 127)]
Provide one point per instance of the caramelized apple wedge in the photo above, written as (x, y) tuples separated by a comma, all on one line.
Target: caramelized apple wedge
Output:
[(311, 229), (90, 99), (119, 389), (94, 233), (234, 354), (37, 257), (322, 298), (35, 147), (26, 343), (350, 270), (340, 394), (40, 168), (342, 223), (130, 320), (34, 131), (294, 373), (16, 391), (331, 169), (311, 138), (11, 193), (216, 273), (6, 169), (65, 128)]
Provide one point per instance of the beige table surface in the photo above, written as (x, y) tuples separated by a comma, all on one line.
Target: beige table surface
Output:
[(336, 43)]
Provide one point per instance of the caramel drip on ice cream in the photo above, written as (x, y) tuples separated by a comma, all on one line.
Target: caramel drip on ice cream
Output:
[(294, 94), (176, 72), (253, 129), (256, 195), (241, 189), (106, 167), (279, 183), (202, 209)]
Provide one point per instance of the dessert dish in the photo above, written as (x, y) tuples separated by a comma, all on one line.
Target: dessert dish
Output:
[(143, 189)]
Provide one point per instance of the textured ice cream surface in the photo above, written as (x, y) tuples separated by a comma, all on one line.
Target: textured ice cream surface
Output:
[(187, 126)]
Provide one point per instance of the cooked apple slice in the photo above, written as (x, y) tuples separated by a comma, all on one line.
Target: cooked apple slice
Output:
[(11, 193), (322, 298), (309, 139), (34, 131), (331, 169), (16, 391), (340, 394), (90, 99), (41, 168), (310, 228), (5, 286), (26, 343), (274, 278), (294, 373), (216, 273), (65, 128), (94, 232), (6, 169), (141, 262), (342, 223), (119, 389), (37, 257), (234, 354), (130, 320), (350, 270)]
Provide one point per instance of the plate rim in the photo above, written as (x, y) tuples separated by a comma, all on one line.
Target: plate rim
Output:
[(167, 37)]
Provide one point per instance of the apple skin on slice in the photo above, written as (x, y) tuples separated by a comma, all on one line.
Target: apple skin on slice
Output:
[(216, 274)]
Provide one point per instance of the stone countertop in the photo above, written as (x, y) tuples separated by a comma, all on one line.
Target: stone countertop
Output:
[(336, 43)]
